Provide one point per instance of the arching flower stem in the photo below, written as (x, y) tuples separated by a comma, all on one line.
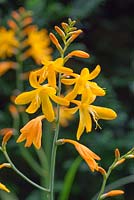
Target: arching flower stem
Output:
[(3, 149)]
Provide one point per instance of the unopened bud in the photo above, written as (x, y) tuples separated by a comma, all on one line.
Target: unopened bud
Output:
[(74, 35), (21, 10), (27, 20), (130, 156), (117, 153), (5, 165), (77, 32), (59, 31), (13, 110), (55, 41), (64, 26), (7, 133), (15, 15), (102, 171), (112, 193), (78, 53), (119, 162), (12, 24)]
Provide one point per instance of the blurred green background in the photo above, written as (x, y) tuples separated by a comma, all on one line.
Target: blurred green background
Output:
[(108, 29)]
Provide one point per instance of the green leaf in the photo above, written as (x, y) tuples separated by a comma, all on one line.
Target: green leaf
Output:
[(69, 178)]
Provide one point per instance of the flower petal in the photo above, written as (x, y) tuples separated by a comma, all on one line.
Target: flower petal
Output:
[(94, 73), (88, 121), (81, 125), (52, 78), (68, 81), (25, 97), (33, 79), (64, 70), (59, 62), (104, 113), (34, 106), (47, 108), (59, 100), (97, 90), (3, 187), (71, 111)]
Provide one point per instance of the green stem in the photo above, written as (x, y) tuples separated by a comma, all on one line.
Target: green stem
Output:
[(105, 178), (20, 173), (54, 147)]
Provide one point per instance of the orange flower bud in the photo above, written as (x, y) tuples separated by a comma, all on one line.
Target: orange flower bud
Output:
[(78, 32), (59, 31), (119, 162), (101, 170), (112, 193), (74, 35), (21, 10), (5, 165), (64, 25), (7, 133), (78, 53), (12, 24), (117, 153), (130, 156), (27, 21), (15, 15), (55, 41), (13, 111)]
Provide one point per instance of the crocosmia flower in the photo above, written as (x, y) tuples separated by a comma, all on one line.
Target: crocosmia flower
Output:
[(88, 155), (8, 43), (32, 132), (49, 72), (86, 110), (39, 45), (82, 82), (41, 97)]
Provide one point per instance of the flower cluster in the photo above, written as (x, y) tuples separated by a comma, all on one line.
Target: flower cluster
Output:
[(44, 82), (22, 40), (47, 83)]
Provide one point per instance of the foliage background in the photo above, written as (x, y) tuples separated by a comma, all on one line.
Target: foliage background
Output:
[(108, 26)]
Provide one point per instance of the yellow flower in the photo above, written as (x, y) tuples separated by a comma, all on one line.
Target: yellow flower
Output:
[(40, 96), (32, 132), (88, 155), (39, 45), (86, 110), (8, 43), (48, 71), (5, 66), (82, 81), (3, 187)]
